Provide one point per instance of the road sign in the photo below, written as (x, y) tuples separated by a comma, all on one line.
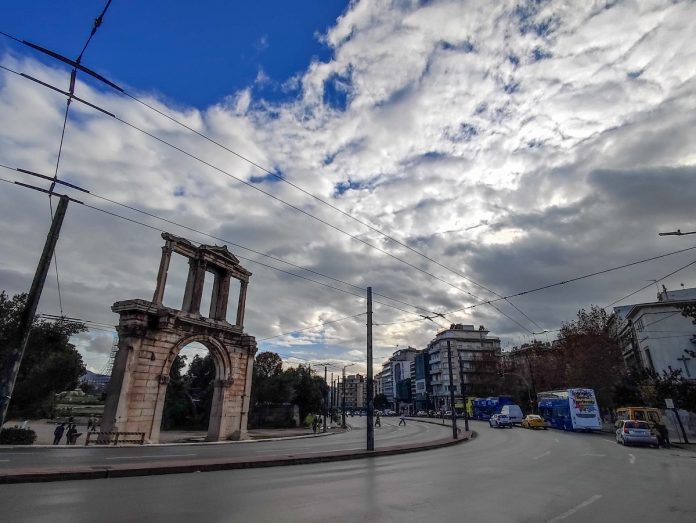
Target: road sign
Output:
[(669, 403)]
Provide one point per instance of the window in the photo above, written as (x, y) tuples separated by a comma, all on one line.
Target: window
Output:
[(639, 325), (648, 357)]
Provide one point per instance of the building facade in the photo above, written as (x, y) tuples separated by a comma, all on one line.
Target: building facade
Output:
[(474, 355), (356, 392), (655, 336)]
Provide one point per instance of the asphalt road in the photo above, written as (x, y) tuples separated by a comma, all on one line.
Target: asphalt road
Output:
[(388, 435), (502, 475)]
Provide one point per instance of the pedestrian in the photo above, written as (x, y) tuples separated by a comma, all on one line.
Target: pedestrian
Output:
[(402, 420), (90, 424), (69, 435), (378, 421), (314, 424), (58, 433), (662, 435)]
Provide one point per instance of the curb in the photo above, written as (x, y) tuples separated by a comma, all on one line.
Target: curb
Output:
[(181, 444), (216, 465)]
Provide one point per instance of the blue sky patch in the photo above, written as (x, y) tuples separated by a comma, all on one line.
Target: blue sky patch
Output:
[(265, 177), (179, 191), (465, 46), (540, 54), (464, 133), (341, 187), (336, 91)]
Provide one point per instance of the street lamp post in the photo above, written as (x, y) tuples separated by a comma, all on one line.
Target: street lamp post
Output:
[(343, 402)]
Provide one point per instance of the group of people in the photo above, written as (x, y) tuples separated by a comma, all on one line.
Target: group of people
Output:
[(71, 433)]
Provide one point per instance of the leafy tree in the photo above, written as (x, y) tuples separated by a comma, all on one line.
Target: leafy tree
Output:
[(51, 363), (177, 406), (592, 354), (268, 364)]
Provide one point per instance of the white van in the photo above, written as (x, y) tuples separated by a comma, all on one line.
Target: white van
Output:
[(514, 412)]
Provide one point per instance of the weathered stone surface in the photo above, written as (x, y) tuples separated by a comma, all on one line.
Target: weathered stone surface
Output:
[(151, 336)]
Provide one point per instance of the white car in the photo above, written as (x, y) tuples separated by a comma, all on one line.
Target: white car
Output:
[(421, 413), (500, 420), (629, 432)]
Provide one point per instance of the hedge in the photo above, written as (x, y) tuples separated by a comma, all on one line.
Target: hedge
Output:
[(17, 436)]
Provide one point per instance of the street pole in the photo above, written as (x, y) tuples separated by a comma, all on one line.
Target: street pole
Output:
[(463, 386), (14, 358), (451, 390), (343, 399), (370, 389), (326, 399)]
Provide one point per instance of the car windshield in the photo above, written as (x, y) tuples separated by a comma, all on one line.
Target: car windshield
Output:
[(637, 425)]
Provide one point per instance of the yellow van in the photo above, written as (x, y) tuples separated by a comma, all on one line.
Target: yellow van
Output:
[(649, 414)]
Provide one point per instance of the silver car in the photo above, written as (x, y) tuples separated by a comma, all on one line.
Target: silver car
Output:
[(630, 432)]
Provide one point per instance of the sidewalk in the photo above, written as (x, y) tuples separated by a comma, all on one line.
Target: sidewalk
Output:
[(44, 433), (69, 473)]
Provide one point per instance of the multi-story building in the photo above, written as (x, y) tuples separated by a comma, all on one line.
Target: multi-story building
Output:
[(420, 382), (473, 352), (656, 336), (356, 392), (396, 369)]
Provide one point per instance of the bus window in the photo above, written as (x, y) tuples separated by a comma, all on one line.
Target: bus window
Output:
[(653, 416), (639, 415)]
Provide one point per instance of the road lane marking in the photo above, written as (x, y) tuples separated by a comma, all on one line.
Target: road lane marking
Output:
[(632, 459), (595, 455), (573, 510), (556, 440), (154, 456), (4, 460), (542, 455)]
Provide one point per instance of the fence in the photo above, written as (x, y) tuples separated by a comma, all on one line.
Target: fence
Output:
[(114, 438)]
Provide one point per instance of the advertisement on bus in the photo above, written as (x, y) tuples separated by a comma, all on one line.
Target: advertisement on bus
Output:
[(584, 411)]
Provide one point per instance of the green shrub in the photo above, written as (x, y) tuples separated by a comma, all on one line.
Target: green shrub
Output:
[(17, 436)]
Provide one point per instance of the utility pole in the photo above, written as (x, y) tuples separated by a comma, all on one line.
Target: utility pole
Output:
[(451, 391), (463, 386), (326, 399), (370, 389), (14, 358), (343, 399)]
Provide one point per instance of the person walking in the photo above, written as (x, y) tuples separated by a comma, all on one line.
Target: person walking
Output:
[(69, 435), (378, 421), (58, 433), (90, 424), (315, 423), (402, 420)]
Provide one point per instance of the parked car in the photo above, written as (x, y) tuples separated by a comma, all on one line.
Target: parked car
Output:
[(533, 421), (629, 432), (421, 413), (514, 412), (500, 420)]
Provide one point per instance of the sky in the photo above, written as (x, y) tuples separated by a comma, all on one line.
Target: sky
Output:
[(445, 153)]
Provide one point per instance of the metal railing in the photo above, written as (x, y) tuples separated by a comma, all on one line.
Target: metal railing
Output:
[(114, 438)]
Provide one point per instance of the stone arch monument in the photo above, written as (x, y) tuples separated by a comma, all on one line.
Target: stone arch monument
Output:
[(151, 336)]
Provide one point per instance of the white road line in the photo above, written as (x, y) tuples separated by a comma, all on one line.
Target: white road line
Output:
[(154, 456), (631, 459), (4, 460), (556, 440), (595, 455), (573, 510), (542, 455)]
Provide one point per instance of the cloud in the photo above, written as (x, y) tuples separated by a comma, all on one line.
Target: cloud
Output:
[(513, 143)]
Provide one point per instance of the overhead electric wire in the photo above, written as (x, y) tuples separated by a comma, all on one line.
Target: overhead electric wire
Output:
[(338, 229), (652, 283), (313, 326), (321, 200)]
